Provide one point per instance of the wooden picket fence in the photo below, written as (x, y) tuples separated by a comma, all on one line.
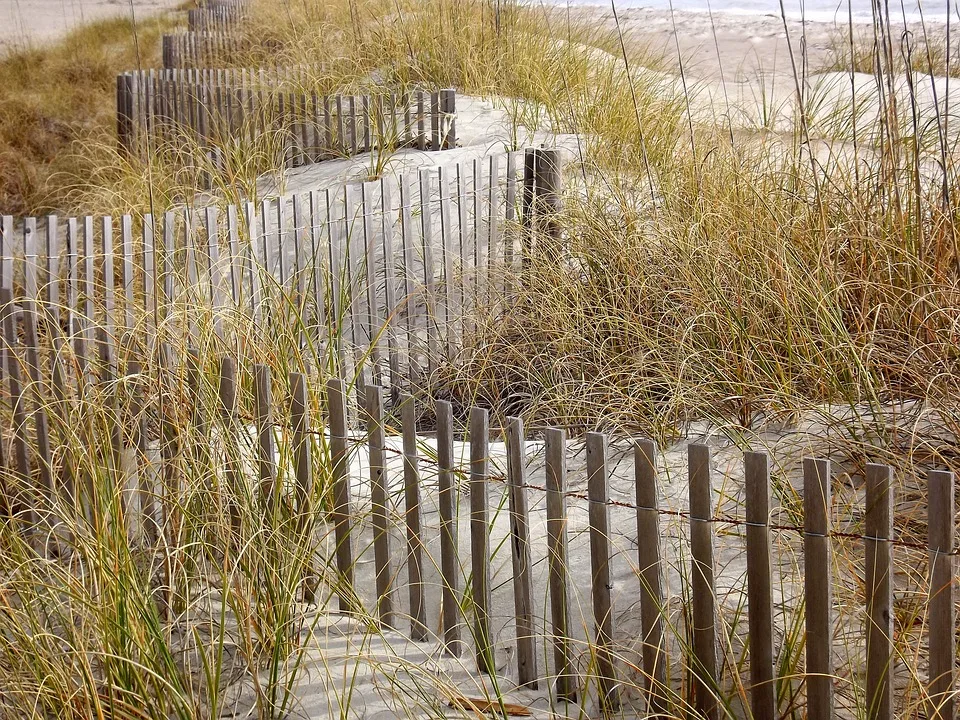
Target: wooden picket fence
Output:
[(208, 109), (548, 630), (370, 295), (202, 49), (385, 270), (219, 18)]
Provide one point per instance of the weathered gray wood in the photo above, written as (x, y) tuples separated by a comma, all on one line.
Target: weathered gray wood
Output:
[(44, 449), (390, 285), (818, 588), (651, 577), (449, 558), (408, 302), (6, 251), (372, 338), (266, 447), (598, 493), (339, 463), (227, 393), (763, 699), (435, 124), (548, 187), (126, 272), (302, 444), (527, 196), (18, 500), (381, 505), (303, 469), (448, 107), (704, 660), (446, 248), (429, 281), (522, 564), (236, 268), (480, 538), (555, 442), (941, 607), (879, 591), (411, 491)]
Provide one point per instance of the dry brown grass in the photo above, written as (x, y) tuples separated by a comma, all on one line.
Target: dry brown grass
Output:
[(58, 109)]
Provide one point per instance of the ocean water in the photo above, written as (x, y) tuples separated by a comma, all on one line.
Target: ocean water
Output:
[(814, 10)]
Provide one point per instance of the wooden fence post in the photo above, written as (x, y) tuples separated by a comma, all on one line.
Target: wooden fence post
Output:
[(266, 451), (380, 502), (598, 493), (448, 108), (818, 588), (941, 610), (651, 576), (17, 499), (706, 678), (555, 442), (527, 192), (449, 561), (547, 187), (303, 464), (879, 590), (480, 537), (227, 392), (520, 545), (339, 461), (763, 699), (411, 487)]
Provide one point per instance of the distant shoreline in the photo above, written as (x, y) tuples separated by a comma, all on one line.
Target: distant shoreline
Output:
[(728, 46), (836, 16)]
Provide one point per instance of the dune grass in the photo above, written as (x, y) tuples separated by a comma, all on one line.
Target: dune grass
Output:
[(754, 279)]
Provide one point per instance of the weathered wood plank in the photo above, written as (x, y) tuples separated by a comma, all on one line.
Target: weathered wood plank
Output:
[(555, 442), (818, 588), (941, 607), (522, 563), (878, 523), (598, 493), (342, 520), (704, 660), (651, 577), (411, 492), (380, 502), (449, 560), (480, 538), (763, 700)]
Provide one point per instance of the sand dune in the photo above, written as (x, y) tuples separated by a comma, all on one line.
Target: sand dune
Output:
[(26, 22)]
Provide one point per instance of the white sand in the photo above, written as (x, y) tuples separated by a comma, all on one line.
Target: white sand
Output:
[(27, 22)]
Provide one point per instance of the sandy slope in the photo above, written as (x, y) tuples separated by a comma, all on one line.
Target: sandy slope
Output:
[(23, 22)]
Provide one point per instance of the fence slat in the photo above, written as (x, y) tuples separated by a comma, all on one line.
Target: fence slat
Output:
[(818, 588), (303, 469), (411, 491), (598, 493), (763, 701), (449, 561), (704, 661), (339, 463), (266, 451), (18, 498), (555, 442), (941, 609), (380, 505), (480, 538), (520, 545), (227, 394), (879, 587), (651, 576)]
